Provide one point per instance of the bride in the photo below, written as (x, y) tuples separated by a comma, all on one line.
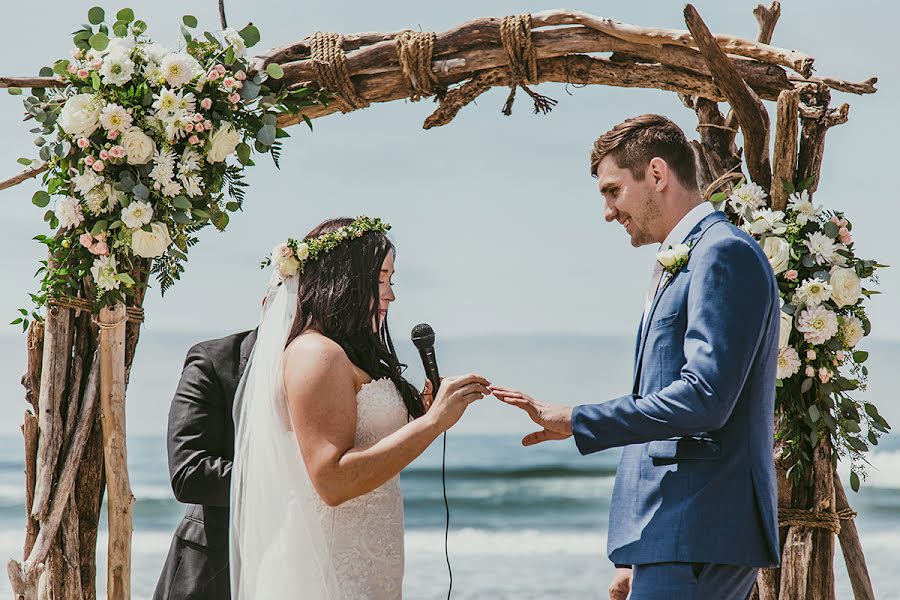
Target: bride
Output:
[(325, 422)]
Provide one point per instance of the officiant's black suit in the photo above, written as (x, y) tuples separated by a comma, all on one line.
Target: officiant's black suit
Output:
[(200, 445)]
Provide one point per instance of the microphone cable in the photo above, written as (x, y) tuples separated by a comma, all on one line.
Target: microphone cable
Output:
[(447, 521)]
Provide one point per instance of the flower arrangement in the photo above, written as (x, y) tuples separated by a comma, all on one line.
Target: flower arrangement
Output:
[(149, 146), (823, 319), (291, 257)]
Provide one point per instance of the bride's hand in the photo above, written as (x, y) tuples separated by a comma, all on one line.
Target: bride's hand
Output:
[(454, 396), (428, 395)]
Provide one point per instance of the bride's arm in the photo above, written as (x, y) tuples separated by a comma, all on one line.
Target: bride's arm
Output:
[(321, 395)]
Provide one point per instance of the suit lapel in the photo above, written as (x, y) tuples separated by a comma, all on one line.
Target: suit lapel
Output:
[(246, 349), (692, 238)]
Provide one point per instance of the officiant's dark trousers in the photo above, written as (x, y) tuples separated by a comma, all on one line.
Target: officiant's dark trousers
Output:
[(691, 581)]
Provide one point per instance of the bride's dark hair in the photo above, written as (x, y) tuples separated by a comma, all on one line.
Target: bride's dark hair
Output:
[(338, 296)]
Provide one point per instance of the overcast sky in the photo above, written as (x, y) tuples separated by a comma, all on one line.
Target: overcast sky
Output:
[(498, 225)]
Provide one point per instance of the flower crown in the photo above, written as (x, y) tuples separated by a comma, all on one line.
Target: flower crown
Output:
[(292, 256)]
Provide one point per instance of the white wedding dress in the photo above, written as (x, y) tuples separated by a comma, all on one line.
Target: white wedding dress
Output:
[(285, 542)]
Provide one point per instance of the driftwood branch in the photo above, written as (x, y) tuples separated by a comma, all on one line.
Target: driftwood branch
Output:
[(784, 162), (812, 137), (851, 548), (30, 82), (749, 108), (23, 176)]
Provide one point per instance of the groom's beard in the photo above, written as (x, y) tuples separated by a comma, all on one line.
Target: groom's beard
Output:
[(642, 220)]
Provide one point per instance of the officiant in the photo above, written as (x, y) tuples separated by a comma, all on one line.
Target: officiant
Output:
[(200, 448)]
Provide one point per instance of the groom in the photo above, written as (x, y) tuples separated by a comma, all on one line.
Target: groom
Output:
[(694, 508)]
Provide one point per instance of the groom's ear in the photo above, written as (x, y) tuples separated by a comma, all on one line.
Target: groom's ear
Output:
[(658, 172)]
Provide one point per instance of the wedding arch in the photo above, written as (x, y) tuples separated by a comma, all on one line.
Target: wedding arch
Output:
[(112, 233)]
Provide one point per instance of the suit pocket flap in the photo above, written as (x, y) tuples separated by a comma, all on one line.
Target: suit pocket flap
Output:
[(686, 448)]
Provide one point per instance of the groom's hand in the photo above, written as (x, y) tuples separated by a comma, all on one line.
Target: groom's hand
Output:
[(621, 585), (555, 420)]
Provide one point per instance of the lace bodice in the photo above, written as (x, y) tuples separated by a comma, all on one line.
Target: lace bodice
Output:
[(366, 533)]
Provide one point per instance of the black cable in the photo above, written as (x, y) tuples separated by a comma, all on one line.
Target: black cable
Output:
[(447, 509)]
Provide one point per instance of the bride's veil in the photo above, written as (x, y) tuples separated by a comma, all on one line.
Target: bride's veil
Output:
[(278, 547)]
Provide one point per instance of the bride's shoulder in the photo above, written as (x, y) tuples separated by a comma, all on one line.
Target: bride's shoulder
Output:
[(313, 352)]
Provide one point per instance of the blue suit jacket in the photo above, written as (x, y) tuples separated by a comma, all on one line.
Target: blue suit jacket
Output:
[(696, 481)]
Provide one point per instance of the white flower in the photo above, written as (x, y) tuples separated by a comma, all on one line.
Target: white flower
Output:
[(164, 166), (187, 101), (821, 247), (817, 324), (778, 251), (747, 195), (800, 203), (223, 142), (846, 287), (287, 266), (766, 220), (153, 243), (852, 331), (68, 211), (139, 147), (117, 68), (80, 115), (153, 74), (175, 125), (784, 329), (190, 161), (191, 184), (104, 273), (165, 102), (115, 118), (670, 257), (813, 292), (153, 52), (235, 40), (788, 363), (122, 45), (179, 68), (303, 251), (171, 189), (137, 214), (85, 182), (96, 199)]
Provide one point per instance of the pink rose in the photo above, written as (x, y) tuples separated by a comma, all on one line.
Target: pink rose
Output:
[(240, 76), (82, 73), (89, 160), (77, 54), (98, 166), (117, 152), (99, 249), (238, 85), (71, 68), (86, 239), (791, 275), (207, 125), (213, 75), (810, 354), (810, 372), (113, 134), (824, 375), (198, 117), (845, 236), (235, 98), (104, 155), (83, 143), (840, 355), (96, 65), (157, 186), (189, 127), (206, 104), (229, 81), (220, 68), (198, 127), (194, 140)]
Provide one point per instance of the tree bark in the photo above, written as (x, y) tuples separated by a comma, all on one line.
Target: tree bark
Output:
[(785, 155)]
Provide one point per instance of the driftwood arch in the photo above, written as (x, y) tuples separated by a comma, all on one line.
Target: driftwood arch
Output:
[(78, 367)]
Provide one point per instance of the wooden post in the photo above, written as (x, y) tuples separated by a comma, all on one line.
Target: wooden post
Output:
[(112, 418), (821, 572), (784, 159), (852, 549)]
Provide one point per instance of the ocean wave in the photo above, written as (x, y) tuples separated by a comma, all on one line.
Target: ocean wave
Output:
[(501, 473), (527, 542)]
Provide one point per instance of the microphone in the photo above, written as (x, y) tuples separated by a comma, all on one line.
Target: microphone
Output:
[(423, 338)]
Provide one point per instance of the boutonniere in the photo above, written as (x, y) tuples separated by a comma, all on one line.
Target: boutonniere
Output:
[(674, 258)]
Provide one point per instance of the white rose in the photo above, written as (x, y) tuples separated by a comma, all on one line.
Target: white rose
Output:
[(223, 142), (778, 251), (138, 146), (104, 273), (784, 331), (80, 115), (666, 258), (681, 251), (68, 211), (153, 243), (235, 40), (846, 287), (287, 266)]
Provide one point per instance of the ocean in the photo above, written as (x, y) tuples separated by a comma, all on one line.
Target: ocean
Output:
[(525, 522)]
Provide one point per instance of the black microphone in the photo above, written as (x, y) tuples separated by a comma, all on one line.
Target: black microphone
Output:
[(423, 338)]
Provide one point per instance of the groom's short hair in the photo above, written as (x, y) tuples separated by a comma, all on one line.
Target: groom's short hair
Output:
[(636, 141)]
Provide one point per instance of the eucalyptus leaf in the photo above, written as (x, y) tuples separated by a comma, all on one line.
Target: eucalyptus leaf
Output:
[(139, 27), (120, 29), (40, 198), (183, 218), (275, 71), (854, 481), (860, 356), (814, 413), (831, 229), (141, 192), (181, 202), (250, 90), (189, 20), (250, 34), (243, 153), (99, 227), (96, 15), (266, 135), (99, 41), (806, 385), (126, 14)]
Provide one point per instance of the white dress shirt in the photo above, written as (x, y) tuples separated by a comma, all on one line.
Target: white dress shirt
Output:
[(676, 236)]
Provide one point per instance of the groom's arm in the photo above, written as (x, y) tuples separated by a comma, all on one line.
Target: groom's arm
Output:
[(729, 299), (196, 435)]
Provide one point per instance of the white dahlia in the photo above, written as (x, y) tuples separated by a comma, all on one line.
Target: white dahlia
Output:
[(817, 324), (788, 363), (180, 68), (68, 211), (813, 292), (115, 118), (137, 214), (748, 195), (821, 247), (117, 68)]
